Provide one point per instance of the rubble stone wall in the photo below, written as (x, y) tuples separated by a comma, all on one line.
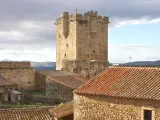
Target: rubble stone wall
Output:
[(108, 108), (57, 90), (15, 64), (23, 77)]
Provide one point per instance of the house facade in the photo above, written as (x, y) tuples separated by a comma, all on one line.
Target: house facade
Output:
[(120, 93), (61, 87)]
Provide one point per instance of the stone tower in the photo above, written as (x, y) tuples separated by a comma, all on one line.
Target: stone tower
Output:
[(82, 38)]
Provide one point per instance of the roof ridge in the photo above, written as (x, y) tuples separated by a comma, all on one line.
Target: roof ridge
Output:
[(138, 67)]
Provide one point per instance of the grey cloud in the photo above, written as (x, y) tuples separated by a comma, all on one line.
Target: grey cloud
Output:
[(50, 9), (13, 13)]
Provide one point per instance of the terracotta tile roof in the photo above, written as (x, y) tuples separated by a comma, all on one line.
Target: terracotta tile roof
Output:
[(69, 81), (62, 110), (125, 82), (25, 114), (4, 81)]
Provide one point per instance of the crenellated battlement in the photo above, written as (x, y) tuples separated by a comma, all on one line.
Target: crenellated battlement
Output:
[(86, 16), (14, 64), (81, 38)]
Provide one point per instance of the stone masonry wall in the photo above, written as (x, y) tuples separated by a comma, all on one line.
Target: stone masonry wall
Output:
[(81, 37), (15, 64), (24, 77), (65, 40), (109, 108), (84, 68), (59, 91), (40, 81), (30, 98)]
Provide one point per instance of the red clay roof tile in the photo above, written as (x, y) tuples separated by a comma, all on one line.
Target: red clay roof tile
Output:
[(70, 81), (62, 110), (127, 82), (25, 114)]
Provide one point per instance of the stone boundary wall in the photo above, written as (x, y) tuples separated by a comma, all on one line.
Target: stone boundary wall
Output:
[(30, 98), (23, 77), (40, 81), (15, 64)]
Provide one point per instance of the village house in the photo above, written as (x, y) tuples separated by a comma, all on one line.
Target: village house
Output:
[(120, 93), (6, 86), (61, 87), (58, 84)]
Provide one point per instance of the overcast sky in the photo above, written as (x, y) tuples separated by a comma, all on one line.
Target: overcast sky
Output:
[(27, 30)]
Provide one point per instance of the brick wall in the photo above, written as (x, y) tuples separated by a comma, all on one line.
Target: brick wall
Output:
[(107, 108), (57, 90), (15, 64), (24, 77)]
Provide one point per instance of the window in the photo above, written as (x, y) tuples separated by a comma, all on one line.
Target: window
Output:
[(148, 114), (102, 28), (65, 56)]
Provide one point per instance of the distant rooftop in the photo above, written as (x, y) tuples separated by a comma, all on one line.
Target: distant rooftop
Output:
[(56, 73)]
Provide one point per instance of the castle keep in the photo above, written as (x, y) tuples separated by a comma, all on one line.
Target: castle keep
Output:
[(82, 43)]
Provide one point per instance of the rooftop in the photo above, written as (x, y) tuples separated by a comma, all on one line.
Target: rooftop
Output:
[(125, 82), (62, 110), (25, 114), (56, 73), (69, 81)]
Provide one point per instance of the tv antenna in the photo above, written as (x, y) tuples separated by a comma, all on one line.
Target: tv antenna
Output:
[(130, 59)]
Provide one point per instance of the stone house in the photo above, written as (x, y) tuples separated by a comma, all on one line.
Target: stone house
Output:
[(58, 84), (15, 96), (5, 87), (63, 111), (61, 87), (120, 93), (41, 77)]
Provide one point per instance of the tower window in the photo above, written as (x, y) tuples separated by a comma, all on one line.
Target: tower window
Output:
[(65, 55), (94, 51), (102, 27), (66, 45)]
